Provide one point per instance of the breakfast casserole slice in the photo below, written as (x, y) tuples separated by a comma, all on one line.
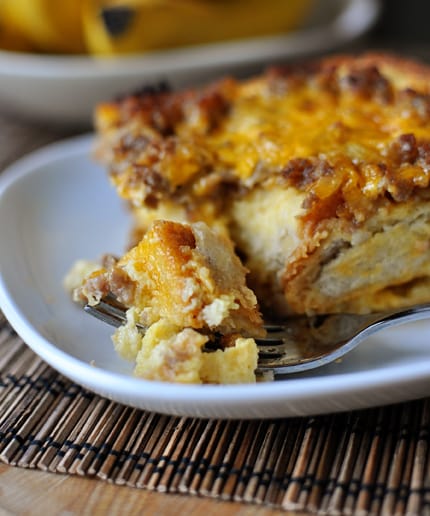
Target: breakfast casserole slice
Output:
[(318, 172), (185, 284)]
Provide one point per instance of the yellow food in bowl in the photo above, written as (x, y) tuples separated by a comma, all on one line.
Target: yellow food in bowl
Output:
[(105, 27), (137, 26), (45, 26)]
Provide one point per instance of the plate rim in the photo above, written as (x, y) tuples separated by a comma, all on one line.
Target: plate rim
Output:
[(283, 390)]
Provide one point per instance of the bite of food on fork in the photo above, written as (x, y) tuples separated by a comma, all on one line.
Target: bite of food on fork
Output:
[(186, 285)]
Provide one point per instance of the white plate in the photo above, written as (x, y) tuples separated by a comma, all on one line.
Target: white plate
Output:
[(65, 89), (56, 206)]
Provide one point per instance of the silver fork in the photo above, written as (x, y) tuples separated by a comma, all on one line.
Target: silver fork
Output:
[(299, 343)]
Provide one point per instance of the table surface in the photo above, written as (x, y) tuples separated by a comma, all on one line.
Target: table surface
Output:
[(36, 492)]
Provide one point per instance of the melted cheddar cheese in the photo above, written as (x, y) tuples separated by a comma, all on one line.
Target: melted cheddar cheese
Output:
[(330, 131)]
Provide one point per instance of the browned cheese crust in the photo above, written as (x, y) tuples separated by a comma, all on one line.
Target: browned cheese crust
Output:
[(318, 172)]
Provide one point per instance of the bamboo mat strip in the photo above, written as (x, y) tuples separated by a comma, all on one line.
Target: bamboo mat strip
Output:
[(373, 461)]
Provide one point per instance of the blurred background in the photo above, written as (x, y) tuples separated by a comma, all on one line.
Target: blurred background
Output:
[(57, 60), (402, 26)]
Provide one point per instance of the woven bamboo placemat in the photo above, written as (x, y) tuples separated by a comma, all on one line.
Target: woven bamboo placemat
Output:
[(373, 461)]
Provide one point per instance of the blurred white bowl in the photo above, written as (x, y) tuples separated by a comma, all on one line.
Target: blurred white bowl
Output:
[(64, 89)]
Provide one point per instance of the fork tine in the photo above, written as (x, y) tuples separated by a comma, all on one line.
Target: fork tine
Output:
[(279, 336), (113, 314), (105, 316), (272, 349), (273, 327), (114, 311)]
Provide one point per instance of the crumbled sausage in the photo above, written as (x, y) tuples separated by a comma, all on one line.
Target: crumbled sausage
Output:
[(121, 286), (404, 149), (302, 172), (368, 83)]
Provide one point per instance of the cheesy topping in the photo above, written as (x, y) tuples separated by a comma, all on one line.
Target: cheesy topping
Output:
[(343, 135)]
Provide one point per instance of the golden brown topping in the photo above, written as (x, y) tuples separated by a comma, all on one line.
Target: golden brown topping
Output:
[(341, 130), (175, 236), (404, 149), (368, 83), (418, 103), (161, 111), (301, 172)]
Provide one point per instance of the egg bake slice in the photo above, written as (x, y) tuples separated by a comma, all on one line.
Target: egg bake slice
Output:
[(318, 172)]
